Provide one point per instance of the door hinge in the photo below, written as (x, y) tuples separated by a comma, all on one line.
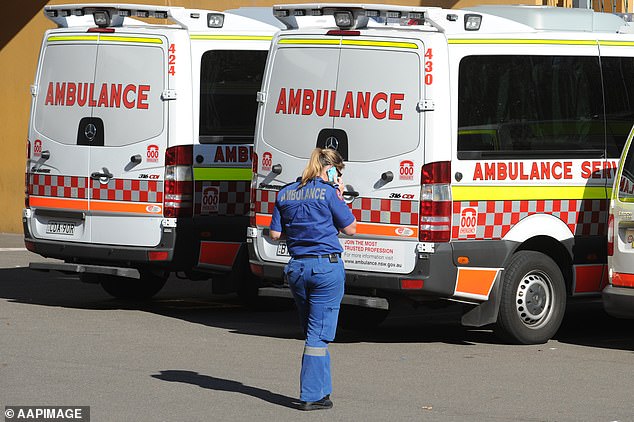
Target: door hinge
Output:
[(261, 97), (425, 105), (34, 90), (168, 94)]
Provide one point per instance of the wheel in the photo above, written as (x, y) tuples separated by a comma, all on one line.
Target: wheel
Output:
[(131, 289), (360, 318), (533, 299)]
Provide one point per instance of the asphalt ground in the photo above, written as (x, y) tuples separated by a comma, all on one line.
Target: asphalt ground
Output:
[(189, 355)]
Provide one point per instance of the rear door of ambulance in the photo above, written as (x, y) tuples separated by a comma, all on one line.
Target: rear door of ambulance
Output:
[(98, 138), (359, 95)]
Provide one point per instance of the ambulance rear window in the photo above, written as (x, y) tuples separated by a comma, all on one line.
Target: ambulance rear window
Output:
[(626, 183), (530, 106), (229, 82)]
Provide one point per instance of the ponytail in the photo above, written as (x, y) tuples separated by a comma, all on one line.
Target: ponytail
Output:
[(319, 159)]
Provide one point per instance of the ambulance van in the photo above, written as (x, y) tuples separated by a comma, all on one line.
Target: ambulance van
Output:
[(139, 144), (480, 146), (618, 295)]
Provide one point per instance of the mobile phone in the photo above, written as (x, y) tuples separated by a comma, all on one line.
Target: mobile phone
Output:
[(332, 174)]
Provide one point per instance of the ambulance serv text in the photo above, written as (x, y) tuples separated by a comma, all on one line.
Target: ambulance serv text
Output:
[(545, 170)]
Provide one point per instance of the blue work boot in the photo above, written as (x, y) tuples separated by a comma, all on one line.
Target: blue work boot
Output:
[(324, 403)]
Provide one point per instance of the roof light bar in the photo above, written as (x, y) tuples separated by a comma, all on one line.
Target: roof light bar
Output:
[(109, 14), (346, 16)]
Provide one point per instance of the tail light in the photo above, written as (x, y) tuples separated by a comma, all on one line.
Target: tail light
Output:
[(26, 174), (178, 185), (611, 235), (435, 202), (254, 185)]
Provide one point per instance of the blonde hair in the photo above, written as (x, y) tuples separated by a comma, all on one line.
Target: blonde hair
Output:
[(320, 158)]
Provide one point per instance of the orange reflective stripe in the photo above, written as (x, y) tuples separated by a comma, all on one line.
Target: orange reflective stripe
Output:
[(126, 207), (623, 280), (475, 283), (392, 230), (588, 278), (387, 230), (263, 220), (61, 203)]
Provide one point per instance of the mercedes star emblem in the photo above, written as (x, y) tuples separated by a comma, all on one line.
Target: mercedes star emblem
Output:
[(332, 142), (90, 131)]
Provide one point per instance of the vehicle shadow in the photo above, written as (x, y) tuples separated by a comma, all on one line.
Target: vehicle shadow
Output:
[(221, 384), (585, 324)]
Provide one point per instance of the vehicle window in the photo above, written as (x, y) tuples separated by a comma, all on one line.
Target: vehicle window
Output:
[(395, 90), (229, 82), (129, 81), (530, 106), (618, 86), (63, 90), (626, 183), (299, 93)]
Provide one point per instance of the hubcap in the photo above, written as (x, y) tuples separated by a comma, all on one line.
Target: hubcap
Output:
[(533, 299)]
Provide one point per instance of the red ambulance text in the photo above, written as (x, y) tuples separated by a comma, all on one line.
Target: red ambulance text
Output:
[(356, 105), (108, 95)]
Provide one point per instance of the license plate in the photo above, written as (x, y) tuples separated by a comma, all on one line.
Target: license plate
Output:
[(282, 249), (58, 227)]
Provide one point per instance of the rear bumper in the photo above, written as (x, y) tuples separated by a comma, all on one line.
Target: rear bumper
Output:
[(181, 246), (437, 270), (95, 254), (619, 301)]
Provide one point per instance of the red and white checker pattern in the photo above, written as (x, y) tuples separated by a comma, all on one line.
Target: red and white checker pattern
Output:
[(58, 186), (234, 197), (265, 201), (387, 211), (584, 217), (128, 190)]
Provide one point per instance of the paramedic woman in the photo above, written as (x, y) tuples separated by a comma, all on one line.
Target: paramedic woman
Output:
[(311, 213)]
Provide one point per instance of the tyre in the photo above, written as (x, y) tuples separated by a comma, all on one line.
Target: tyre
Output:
[(132, 289), (360, 318), (533, 299)]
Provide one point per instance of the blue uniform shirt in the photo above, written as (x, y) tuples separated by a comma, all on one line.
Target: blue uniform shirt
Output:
[(311, 217)]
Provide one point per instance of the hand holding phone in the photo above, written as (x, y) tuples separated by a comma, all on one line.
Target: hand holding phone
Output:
[(332, 174)]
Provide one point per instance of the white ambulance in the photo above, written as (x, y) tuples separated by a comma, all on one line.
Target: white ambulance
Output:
[(618, 295), (139, 144), (479, 144)]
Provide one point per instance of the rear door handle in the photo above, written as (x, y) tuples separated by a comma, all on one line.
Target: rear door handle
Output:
[(106, 174), (352, 193)]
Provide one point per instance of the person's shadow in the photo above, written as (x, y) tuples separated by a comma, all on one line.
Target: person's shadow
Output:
[(220, 384)]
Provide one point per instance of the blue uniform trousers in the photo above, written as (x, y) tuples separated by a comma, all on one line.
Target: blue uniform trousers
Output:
[(317, 285)]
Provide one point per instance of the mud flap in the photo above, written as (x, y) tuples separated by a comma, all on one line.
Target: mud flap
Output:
[(487, 312)]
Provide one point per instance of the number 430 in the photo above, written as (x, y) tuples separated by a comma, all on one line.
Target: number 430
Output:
[(429, 66)]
